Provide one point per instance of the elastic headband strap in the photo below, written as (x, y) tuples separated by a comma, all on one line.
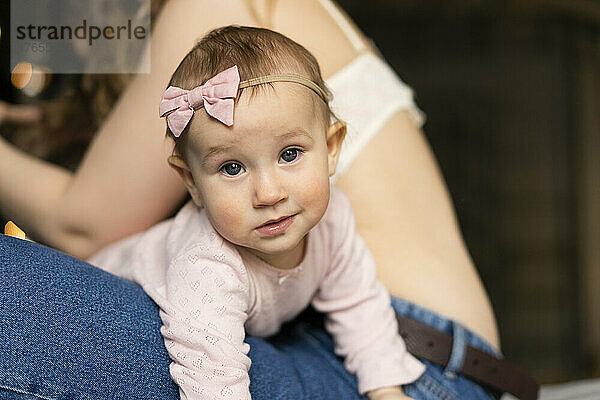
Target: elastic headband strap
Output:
[(286, 78), (217, 97)]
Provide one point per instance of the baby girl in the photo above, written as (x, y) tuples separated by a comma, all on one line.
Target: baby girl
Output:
[(264, 235)]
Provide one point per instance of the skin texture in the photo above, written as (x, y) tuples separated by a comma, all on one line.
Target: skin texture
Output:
[(413, 232), (401, 205)]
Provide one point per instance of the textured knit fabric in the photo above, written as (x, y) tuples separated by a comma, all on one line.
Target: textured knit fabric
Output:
[(212, 292)]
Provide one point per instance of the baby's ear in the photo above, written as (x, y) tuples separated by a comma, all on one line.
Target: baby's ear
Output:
[(179, 165), (335, 137)]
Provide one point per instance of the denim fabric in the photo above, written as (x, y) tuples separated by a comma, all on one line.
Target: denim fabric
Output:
[(444, 383), (71, 331)]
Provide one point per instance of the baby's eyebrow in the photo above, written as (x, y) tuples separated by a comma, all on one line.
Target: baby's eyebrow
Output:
[(295, 133), (214, 152)]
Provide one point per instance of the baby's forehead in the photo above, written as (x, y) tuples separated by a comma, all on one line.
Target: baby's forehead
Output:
[(285, 94), (274, 109)]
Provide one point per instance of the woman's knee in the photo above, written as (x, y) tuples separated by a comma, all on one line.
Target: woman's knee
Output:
[(73, 330)]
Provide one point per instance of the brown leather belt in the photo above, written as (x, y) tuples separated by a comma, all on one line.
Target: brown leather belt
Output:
[(430, 344)]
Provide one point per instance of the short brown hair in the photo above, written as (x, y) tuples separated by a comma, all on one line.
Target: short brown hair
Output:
[(256, 52)]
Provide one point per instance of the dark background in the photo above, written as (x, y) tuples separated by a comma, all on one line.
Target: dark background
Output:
[(512, 96), (511, 90)]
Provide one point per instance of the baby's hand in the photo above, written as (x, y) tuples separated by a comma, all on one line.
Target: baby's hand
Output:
[(388, 393)]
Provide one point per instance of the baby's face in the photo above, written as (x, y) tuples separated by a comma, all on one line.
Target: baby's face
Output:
[(264, 181)]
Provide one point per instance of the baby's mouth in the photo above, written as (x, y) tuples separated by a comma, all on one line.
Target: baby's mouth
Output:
[(274, 221), (276, 226)]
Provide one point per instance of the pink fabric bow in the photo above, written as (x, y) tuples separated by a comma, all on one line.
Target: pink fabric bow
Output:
[(216, 96)]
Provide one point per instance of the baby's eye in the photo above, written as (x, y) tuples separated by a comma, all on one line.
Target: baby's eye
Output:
[(290, 155), (232, 169)]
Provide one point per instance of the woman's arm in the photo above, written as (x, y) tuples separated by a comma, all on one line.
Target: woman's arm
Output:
[(405, 215), (123, 184)]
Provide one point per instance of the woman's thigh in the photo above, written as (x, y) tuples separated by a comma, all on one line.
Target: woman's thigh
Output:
[(304, 346), (307, 348), (299, 363), (71, 330), (439, 382)]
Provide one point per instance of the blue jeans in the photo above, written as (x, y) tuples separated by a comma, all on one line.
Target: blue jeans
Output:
[(71, 331)]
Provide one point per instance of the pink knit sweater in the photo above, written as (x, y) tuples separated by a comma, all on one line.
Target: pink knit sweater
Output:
[(211, 293)]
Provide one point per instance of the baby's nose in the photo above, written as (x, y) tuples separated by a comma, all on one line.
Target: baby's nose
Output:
[(268, 190)]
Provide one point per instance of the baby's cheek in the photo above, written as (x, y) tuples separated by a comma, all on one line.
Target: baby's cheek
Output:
[(315, 195), (226, 218)]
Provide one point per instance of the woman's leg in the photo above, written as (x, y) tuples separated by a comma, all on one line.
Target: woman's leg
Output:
[(299, 363), (70, 330), (444, 382), (307, 348)]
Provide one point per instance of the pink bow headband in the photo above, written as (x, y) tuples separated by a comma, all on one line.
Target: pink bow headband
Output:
[(216, 96)]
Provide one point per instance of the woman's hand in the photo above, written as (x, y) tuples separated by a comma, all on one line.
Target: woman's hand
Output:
[(388, 393), (18, 113)]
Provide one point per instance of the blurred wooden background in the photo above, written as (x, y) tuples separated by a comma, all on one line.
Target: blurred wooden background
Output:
[(511, 90)]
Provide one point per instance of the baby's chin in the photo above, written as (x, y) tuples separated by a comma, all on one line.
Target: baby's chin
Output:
[(276, 245), (280, 254)]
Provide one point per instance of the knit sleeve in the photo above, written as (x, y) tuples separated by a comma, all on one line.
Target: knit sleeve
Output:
[(358, 312), (203, 313)]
